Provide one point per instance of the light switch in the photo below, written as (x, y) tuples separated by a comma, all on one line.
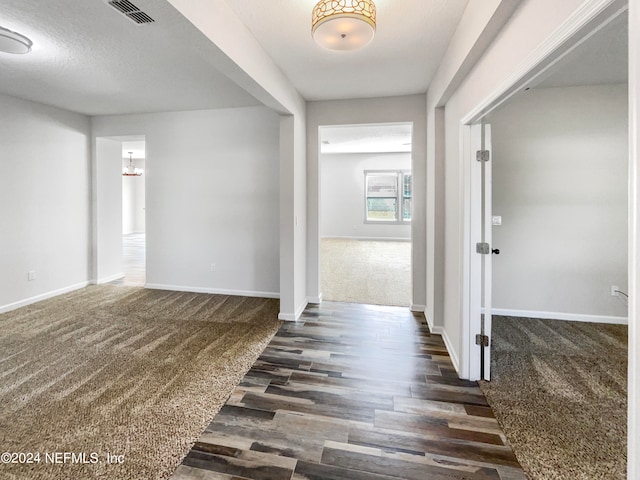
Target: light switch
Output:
[(496, 220)]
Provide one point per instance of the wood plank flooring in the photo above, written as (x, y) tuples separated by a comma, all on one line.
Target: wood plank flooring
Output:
[(133, 260), (355, 392)]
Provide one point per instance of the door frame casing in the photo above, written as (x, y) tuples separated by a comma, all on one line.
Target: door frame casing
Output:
[(633, 397), (382, 110)]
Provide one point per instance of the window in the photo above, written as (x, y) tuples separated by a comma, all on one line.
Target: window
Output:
[(387, 196)]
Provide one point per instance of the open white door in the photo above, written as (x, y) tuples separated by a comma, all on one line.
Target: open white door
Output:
[(481, 252), (487, 225)]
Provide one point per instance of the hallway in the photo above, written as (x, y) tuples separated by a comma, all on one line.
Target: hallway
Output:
[(353, 392)]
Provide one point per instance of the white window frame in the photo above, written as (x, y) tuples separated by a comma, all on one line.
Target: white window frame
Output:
[(400, 197)]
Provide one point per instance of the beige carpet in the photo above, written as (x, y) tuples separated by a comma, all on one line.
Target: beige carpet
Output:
[(364, 271), (121, 371), (559, 391)]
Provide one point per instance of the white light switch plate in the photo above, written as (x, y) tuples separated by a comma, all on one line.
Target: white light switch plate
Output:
[(496, 220)]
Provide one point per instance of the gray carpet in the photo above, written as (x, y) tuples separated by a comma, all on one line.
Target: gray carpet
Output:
[(121, 371), (559, 391), (365, 271)]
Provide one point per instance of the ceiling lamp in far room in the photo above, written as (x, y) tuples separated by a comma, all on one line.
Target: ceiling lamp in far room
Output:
[(131, 170), (343, 24), (13, 42)]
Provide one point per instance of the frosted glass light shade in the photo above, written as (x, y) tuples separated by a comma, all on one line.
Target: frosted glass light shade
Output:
[(343, 24)]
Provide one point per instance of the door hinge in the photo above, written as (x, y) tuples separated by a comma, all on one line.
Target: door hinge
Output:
[(483, 155), (483, 248), (482, 340)]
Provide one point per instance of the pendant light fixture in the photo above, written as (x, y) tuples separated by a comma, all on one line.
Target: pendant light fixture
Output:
[(131, 170), (343, 24)]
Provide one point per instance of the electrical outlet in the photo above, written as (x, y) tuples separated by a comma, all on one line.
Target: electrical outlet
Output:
[(614, 290), (213, 267), (31, 275)]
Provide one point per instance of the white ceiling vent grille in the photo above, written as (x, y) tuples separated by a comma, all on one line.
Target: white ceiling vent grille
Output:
[(131, 11)]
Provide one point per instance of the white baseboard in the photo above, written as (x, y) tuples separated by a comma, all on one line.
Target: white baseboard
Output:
[(452, 352), (111, 278), (572, 317), (436, 330), (418, 308), (315, 300), (372, 239), (429, 319), (288, 317), (43, 296), (215, 291), (439, 330)]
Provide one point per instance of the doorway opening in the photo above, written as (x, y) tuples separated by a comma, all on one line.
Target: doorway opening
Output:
[(556, 208), (572, 59), (119, 210), (365, 213), (133, 212)]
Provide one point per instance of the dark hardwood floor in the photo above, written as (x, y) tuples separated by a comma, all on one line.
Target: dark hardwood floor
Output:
[(353, 392)]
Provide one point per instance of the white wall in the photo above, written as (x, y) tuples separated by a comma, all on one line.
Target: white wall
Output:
[(107, 208), (480, 24), (133, 193), (298, 163), (244, 61), (560, 184), (212, 185), (293, 218), (44, 201), (404, 109), (342, 209)]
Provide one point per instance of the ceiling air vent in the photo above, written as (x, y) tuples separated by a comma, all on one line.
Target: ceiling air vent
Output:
[(131, 11)]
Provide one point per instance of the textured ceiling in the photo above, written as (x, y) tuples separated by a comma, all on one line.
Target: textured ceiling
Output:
[(89, 58), (411, 38)]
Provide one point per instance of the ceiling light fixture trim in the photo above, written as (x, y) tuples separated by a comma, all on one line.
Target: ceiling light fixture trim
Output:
[(343, 24), (14, 42)]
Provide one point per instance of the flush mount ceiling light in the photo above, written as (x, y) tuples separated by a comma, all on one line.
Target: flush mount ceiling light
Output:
[(343, 24), (13, 42)]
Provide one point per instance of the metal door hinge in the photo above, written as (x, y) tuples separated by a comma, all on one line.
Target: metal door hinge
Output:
[(482, 340), (483, 155), (483, 248)]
